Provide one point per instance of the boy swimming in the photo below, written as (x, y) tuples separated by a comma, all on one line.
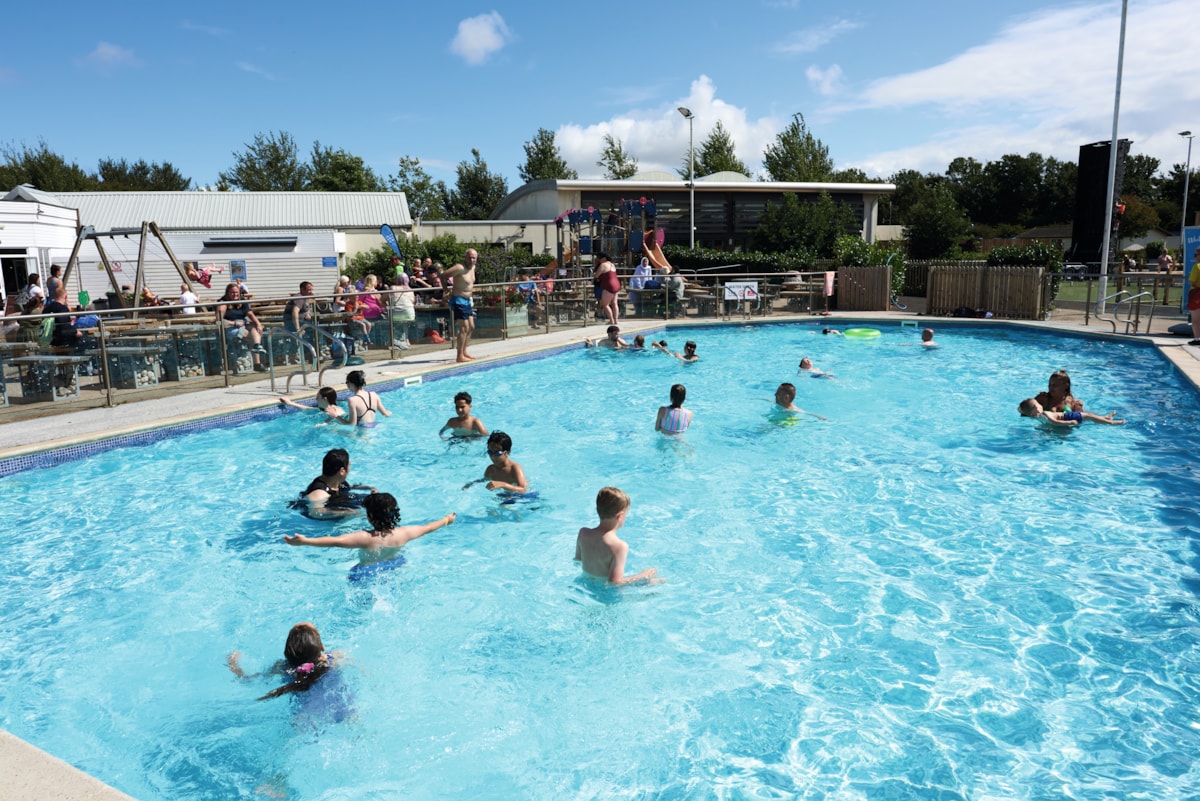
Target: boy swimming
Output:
[(463, 424), (599, 550)]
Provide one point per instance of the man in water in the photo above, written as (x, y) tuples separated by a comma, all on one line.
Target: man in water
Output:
[(463, 278), (328, 495)]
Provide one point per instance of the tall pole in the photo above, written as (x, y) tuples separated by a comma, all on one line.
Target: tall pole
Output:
[(691, 172), (1187, 174), (1112, 165)]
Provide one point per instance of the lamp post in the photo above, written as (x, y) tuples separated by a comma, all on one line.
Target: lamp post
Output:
[(1187, 174), (687, 112)]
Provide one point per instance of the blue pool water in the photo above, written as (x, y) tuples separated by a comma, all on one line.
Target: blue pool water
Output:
[(927, 596)]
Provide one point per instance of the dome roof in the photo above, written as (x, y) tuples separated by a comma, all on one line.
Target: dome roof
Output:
[(726, 176), (655, 175)]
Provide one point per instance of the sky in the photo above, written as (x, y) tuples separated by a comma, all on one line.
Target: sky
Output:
[(885, 85)]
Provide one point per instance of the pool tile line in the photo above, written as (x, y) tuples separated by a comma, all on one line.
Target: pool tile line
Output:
[(157, 433)]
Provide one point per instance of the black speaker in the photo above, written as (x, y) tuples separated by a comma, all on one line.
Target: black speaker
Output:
[(1087, 230)]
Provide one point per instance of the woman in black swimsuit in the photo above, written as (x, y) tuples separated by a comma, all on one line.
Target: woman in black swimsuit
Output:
[(364, 405)]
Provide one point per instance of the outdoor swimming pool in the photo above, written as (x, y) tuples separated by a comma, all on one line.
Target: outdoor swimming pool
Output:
[(926, 596)]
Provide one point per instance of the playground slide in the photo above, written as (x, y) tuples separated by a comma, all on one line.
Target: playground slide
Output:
[(653, 251)]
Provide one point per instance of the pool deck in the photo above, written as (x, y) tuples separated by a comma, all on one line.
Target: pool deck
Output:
[(33, 775)]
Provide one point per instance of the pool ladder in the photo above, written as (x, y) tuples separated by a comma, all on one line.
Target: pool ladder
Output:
[(1132, 310), (305, 347)]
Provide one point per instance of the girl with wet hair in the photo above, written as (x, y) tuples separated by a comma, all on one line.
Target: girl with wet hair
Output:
[(305, 660)]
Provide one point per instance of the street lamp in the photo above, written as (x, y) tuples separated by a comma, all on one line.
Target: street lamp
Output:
[(1187, 174), (687, 112)]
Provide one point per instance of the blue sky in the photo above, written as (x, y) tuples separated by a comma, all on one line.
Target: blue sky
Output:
[(885, 85)]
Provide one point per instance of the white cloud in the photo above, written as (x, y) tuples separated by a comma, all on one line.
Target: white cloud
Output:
[(810, 39), (479, 37), (108, 56), (246, 66), (826, 82), (658, 136), (1046, 83)]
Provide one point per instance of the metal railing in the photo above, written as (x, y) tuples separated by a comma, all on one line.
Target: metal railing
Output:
[(118, 357)]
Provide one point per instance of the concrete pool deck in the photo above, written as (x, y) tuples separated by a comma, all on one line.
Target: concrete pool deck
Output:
[(33, 774)]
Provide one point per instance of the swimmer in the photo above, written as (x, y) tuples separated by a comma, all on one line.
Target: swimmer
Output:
[(639, 342), (806, 366), (305, 660), (326, 404), (600, 551), (503, 473), (463, 424), (674, 419), (661, 345), (689, 352), (785, 396), (927, 338), (831, 331), (1075, 416), (328, 495), (384, 539), (612, 339), (363, 405)]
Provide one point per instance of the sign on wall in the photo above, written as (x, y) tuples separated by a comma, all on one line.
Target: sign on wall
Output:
[(237, 270)]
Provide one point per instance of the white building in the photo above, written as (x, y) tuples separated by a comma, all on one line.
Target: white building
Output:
[(278, 238)]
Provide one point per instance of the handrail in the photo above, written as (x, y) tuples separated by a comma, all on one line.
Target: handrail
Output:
[(271, 332), (334, 341), (1116, 309)]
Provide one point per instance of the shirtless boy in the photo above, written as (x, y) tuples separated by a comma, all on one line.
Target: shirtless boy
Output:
[(503, 473), (1072, 417), (464, 424), (463, 277), (600, 551), (385, 537), (328, 494)]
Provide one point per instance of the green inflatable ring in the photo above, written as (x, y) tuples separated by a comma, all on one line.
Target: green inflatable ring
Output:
[(862, 333)]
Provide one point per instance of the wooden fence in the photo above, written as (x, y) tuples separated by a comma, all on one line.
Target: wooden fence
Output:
[(864, 288), (1005, 291)]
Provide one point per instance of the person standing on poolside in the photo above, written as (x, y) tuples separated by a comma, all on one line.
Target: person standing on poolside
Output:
[(1194, 284), (463, 277)]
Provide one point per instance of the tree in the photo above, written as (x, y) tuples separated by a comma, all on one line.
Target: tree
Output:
[(797, 155), (338, 171), (1139, 218), (970, 187), (477, 192), (270, 163), (118, 176), (1016, 181), (850, 175), (1056, 201), (716, 154), (424, 195), (543, 159), (1141, 177), (618, 165), (936, 224), (43, 169), (793, 224), (910, 184)]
